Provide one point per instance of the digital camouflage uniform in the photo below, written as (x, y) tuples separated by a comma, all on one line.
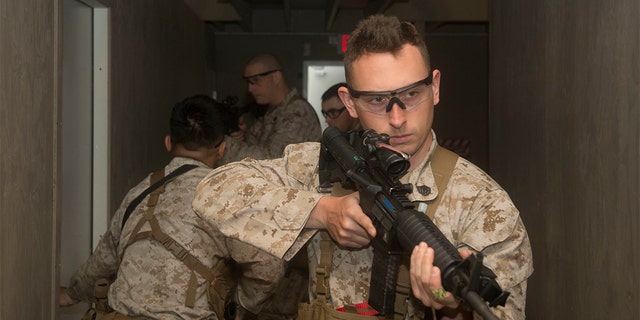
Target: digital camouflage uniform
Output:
[(268, 203), (151, 282), (292, 121)]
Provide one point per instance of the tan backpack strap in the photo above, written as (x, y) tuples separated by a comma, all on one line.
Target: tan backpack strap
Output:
[(443, 162), (151, 206), (323, 270), (169, 243), (179, 251), (403, 290), (183, 255), (190, 299)]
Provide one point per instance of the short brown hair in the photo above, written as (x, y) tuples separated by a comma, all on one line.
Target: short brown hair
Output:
[(382, 34)]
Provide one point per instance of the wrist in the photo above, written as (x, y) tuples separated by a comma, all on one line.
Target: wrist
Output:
[(317, 217), (67, 300)]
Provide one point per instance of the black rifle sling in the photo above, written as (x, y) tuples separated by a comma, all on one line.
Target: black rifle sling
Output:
[(152, 187)]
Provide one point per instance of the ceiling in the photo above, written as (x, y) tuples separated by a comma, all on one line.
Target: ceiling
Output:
[(242, 12)]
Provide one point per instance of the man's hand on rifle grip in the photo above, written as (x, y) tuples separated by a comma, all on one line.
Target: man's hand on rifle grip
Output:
[(343, 218)]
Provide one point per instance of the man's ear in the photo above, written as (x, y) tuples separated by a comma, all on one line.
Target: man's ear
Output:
[(277, 77), (344, 95), (221, 148), (435, 86), (167, 143)]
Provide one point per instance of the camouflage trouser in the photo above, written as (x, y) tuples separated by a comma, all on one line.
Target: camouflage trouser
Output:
[(292, 290), (93, 314), (101, 309)]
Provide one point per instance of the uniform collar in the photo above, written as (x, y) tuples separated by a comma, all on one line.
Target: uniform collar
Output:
[(292, 95), (421, 177), (177, 162)]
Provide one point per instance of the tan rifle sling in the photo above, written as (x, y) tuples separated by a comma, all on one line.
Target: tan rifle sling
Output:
[(442, 164)]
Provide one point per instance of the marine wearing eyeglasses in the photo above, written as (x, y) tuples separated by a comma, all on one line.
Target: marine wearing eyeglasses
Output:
[(392, 89), (381, 102), (333, 110), (254, 79), (288, 119)]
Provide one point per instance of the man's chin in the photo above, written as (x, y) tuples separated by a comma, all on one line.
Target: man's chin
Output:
[(404, 148)]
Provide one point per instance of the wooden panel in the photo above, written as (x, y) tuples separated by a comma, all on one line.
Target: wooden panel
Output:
[(435, 10), (27, 133), (157, 59), (213, 11), (461, 114), (564, 113)]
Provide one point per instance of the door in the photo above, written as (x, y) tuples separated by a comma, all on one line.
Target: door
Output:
[(84, 145), (318, 77)]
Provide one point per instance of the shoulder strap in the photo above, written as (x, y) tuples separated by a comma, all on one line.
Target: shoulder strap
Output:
[(157, 187), (154, 185), (442, 164)]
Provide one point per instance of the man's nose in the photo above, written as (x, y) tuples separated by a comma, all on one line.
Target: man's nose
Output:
[(396, 115)]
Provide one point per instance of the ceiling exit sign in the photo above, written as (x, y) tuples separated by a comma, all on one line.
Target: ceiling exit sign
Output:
[(343, 41)]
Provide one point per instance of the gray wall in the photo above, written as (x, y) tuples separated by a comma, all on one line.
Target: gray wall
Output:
[(564, 117), (157, 58)]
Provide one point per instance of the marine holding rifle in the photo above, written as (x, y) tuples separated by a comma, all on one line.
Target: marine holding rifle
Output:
[(276, 204), (161, 260)]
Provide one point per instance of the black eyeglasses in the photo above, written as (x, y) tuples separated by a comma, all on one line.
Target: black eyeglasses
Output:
[(381, 102), (254, 79), (333, 113)]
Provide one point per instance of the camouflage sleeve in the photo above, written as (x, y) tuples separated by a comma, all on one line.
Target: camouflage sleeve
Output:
[(102, 262), (99, 265), (261, 273), (264, 203), (491, 224), (295, 123), (511, 261)]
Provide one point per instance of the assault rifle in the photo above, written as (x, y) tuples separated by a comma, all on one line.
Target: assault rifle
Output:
[(364, 161)]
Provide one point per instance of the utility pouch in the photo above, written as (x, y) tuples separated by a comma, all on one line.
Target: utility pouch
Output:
[(320, 310), (101, 294), (100, 301)]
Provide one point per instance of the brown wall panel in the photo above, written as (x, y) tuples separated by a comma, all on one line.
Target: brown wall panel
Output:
[(27, 133), (157, 57), (564, 113)]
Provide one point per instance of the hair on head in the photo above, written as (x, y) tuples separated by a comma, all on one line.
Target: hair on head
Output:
[(332, 91), (382, 34), (197, 122)]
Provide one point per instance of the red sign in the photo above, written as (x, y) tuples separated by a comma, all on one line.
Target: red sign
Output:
[(345, 39)]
